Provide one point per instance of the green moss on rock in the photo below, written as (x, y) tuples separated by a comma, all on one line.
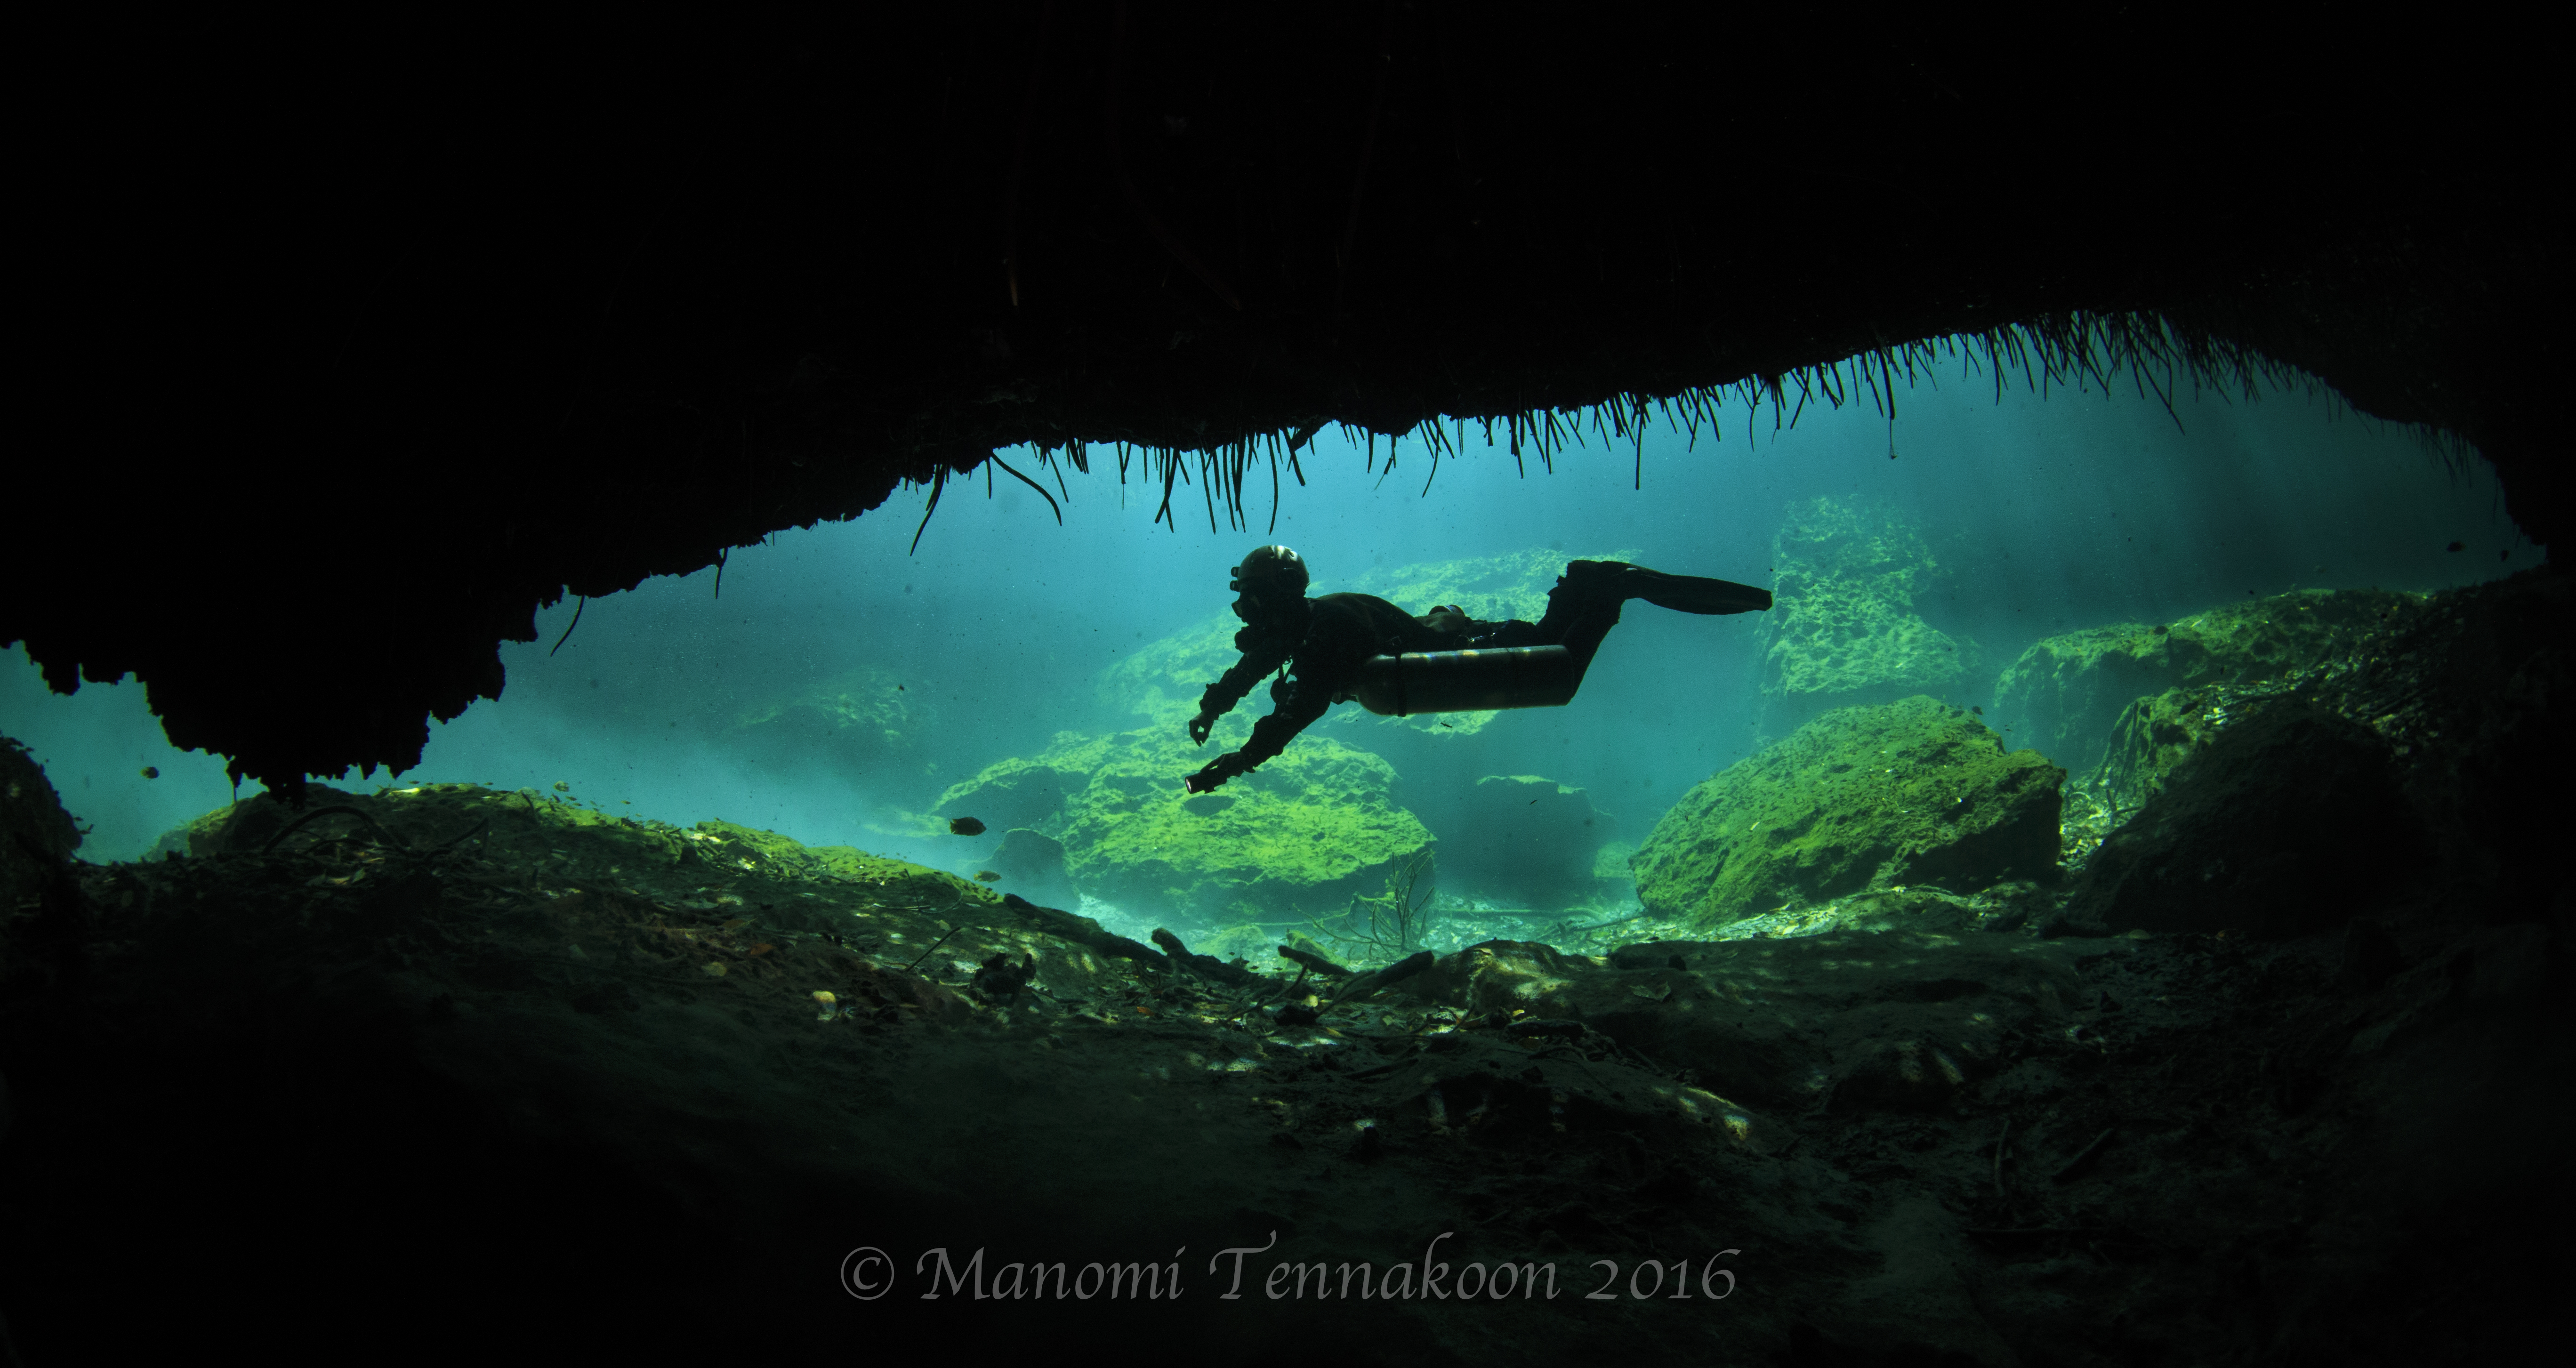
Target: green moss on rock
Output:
[(1030, 791), (2065, 695), (1907, 792), (1843, 629), (1296, 838)]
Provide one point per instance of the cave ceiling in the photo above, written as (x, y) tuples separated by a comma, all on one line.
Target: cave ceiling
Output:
[(359, 346)]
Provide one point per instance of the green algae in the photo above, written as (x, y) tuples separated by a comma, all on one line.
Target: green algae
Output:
[(1031, 791), (1901, 793), (1843, 628), (1290, 840), (561, 838), (1297, 838), (2066, 695)]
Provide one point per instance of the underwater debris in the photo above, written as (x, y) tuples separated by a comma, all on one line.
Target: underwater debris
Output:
[(1313, 961), (2457, 546), (1000, 976), (1082, 931), (987, 876), (1396, 917), (965, 826), (1363, 985), (1206, 966)]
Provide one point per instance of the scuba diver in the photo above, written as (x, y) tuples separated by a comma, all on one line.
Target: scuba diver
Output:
[(1342, 647)]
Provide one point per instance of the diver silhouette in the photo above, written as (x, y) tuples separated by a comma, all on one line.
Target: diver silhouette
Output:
[(1340, 647)]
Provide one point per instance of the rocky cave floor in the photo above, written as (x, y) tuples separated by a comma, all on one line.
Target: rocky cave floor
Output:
[(446, 1068)]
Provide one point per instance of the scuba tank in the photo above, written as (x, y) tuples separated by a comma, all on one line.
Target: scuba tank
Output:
[(1467, 681)]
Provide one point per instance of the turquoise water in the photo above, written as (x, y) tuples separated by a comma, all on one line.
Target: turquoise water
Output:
[(2043, 515)]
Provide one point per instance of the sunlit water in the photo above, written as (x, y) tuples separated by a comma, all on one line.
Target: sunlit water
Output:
[(2050, 515)]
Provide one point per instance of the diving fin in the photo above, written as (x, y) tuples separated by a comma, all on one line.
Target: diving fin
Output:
[(1681, 593)]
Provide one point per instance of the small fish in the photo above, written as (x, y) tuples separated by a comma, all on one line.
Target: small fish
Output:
[(1447, 725), (562, 787), (151, 771), (1977, 710), (987, 876), (965, 826), (2457, 546)]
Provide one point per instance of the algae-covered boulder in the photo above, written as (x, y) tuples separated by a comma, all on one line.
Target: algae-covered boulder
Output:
[(1030, 791), (1843, 628), (2065, 695), (2287, 823), (2156, 733), (861, 716), (1908, 792), (1031, 864), (1297, 838), (1524, 840)]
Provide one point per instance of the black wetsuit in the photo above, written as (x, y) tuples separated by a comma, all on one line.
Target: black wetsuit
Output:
[(1324, 640)]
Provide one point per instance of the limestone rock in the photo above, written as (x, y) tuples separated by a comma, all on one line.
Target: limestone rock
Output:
[(1297, 838), (1032, 865), (861, 717), (1849, 1020), (1029, 791), (1844, 629), (1902, 793), (2289, 822), (2066, 694)]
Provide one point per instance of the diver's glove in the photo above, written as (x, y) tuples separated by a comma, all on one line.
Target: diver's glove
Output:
[(1200, 726), (1215, 772)]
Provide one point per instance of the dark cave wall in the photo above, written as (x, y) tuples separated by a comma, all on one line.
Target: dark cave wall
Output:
[(549, 312)]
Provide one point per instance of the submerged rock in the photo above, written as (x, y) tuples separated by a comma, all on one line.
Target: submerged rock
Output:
[(1031, 791), (1906, 792), (1852, 1021), (2066, 695), (859, 717), (1032, 863), (2289, 822), (1844, 630), (1297, 838)]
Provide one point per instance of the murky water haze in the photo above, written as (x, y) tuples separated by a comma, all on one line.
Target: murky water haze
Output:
[(2046, 515)]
